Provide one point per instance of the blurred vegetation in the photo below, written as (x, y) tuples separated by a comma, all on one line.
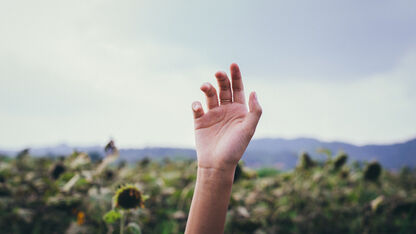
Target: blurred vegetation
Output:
[(73, 194)]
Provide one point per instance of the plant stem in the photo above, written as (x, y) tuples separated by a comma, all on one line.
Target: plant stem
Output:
[(122, 222)]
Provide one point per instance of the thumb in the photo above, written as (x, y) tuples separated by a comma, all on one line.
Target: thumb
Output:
[(255, 112)]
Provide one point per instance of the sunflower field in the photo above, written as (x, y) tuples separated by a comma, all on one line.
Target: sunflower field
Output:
[(76, 194)]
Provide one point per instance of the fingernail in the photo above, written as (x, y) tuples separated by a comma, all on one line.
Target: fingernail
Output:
[(195, 106), (205, 85), (219, 73), (255, 95), (234, 66)]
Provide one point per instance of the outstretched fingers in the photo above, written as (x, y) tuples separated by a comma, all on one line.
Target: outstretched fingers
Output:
[(237, 84), (224, 84), (197, 110), (211, 94), (255, 112)]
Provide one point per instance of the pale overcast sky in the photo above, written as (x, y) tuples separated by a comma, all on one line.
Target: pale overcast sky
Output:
[(82, 72)]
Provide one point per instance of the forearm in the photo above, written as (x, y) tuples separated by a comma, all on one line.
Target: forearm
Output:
[(210, 201), (221, 136)]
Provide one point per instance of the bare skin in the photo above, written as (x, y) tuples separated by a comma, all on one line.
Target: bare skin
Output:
[(222, 134)]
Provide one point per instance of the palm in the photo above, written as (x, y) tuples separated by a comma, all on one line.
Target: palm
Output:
[(223, 133)]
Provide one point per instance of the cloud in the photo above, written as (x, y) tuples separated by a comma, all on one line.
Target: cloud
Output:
[(377, 108), (84, 71)]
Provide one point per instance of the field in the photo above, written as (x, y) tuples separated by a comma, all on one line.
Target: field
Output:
[(74, 194)]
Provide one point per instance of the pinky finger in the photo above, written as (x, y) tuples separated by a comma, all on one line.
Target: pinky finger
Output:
[(197, 109)]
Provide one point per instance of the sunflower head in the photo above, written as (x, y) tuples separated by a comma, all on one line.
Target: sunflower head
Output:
[(57, 170), (238, 173), (305, 161), (373, 171), (340, 160), (128, 197)]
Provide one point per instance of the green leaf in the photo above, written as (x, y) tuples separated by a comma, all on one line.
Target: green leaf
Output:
[(133, 228), (112, 216)]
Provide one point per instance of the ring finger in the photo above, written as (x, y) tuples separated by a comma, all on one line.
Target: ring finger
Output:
[(224, 84)]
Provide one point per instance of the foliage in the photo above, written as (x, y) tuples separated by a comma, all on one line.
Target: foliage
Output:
[(74, 195), (112, 216)]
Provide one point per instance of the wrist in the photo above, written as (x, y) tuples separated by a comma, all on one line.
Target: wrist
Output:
[(211, 163), (216, 176)]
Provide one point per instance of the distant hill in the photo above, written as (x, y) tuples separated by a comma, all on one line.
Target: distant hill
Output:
[(271, 152), (283, 153)]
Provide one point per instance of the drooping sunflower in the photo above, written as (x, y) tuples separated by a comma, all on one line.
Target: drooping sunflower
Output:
[(57, 170), (340, 160), (373, 171), (237, 173), (305, 161), (128, 197)]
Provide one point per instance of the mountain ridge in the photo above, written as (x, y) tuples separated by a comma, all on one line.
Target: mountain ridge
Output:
[(272, 152)]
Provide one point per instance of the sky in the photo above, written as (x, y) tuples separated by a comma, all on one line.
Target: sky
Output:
[(82, 72)]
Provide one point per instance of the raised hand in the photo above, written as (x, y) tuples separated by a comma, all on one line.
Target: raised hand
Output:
[(224, 131), (222, 135)]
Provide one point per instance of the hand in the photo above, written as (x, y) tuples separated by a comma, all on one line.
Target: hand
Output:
[(224, 131)]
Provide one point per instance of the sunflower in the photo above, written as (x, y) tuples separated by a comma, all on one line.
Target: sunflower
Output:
[(373, 171), (238, 173), (57, 170), (305, 161), (128, 197), (340, 160)]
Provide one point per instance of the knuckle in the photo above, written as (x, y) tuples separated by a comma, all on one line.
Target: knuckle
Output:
[(211, 93), (225, 87), (236, 77), (259, 111), (237, 89)]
